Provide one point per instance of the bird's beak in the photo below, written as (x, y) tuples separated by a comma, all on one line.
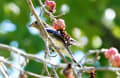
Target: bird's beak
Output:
[(30, 25)]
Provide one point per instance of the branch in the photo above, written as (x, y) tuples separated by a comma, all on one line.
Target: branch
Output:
[(55, 73), (46, 54), (90, 52), (3, 71), (30, 56), (41, 27), (14, 66), (114, 69), (34, 57)]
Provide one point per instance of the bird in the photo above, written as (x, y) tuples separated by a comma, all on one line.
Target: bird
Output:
[(55, 36), (58, 40)]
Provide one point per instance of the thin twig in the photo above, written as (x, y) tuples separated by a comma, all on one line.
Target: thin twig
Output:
[(114, 69), (4, 72), (118, 74), (90, 52), (55, 73), (46, 54), (59, 16)]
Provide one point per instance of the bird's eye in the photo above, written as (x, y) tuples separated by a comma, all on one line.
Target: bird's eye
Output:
[(36, 22), (71, 40)]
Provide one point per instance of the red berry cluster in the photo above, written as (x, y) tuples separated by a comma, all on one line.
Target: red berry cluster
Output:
[(59, 24), (50, 5), (114, 57)]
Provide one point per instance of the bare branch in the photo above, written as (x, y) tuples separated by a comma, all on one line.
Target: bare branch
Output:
[(30, 56), (42, 29), (34, 57), (114, 69), (55, 73), (46, 54), (90, 52), (3, 71), (14, 66), (59, 16)]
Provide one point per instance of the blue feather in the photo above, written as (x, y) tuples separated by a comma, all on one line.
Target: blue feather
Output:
[(53, 32)]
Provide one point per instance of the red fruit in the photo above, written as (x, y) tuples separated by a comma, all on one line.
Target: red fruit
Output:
[(59, 24), (116, 60), (50, 5), (111, 52)]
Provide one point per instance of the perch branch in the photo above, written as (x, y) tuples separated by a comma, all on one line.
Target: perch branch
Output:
[(26, 55), (34, 57)]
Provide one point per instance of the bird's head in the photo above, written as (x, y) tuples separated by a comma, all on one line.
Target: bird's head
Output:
[(35, 25)]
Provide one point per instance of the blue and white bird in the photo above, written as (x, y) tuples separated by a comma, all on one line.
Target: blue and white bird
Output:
[(58, 40)]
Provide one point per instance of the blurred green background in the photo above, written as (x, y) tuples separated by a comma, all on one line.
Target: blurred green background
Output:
[(94, 22)]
